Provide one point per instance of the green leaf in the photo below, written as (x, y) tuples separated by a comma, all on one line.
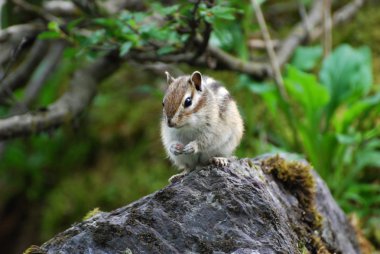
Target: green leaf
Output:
[(166, 50), (305, 89), (106, 22), (355, 110), (74, 23), (49, 35), (229, 36), (222, 12), (347, 75), (165, 11), (125, 48), (217, 12), (306, 58), (96, 37), (348, 139), (369, 154), (53, 26)]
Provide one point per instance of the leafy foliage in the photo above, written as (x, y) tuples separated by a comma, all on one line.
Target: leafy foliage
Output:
[(165, 29), (334, 121)]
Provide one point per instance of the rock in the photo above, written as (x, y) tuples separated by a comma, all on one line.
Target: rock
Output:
[(262, 205)]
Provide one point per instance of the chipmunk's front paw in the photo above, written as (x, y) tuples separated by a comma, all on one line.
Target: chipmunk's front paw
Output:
[(219, 161), (176, 148), (190, 148)]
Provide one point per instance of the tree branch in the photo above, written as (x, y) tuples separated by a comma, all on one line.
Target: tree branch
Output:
[(298, 36), (257, 70), (66, 108), (23, 73), (39, 11), (61, 8), (13, 35), (342, 15)]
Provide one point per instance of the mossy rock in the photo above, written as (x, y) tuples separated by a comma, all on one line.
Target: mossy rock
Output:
[(263, 205)]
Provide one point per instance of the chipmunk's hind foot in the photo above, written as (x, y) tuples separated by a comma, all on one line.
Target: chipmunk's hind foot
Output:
[(219, 161)]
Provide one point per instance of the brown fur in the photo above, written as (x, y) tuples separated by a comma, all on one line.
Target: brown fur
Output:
[(174, 95), (201, 102)]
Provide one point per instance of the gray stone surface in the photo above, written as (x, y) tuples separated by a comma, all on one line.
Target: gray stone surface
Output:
[(236, 209)]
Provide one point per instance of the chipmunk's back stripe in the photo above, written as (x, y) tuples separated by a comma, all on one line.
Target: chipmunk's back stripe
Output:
[(224, 104), (215, 86)]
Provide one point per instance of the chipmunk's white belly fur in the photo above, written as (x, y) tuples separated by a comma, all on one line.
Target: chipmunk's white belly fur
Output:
[(217, 127)]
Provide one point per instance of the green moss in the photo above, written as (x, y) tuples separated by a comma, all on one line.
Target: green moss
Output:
[(92, 213), (34, 249), (296, 177), (251, 164)]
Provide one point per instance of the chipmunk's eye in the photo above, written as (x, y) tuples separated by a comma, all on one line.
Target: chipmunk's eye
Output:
[(187, 102), (163, 104)]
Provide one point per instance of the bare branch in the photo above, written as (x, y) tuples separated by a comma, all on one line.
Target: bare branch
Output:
[(327, 25), (270, 49), (39, 11), (258, 70), (23, 73), (340, 16), (13, 35), (298, 36), (61, 8), (304, 16), (66, 108)]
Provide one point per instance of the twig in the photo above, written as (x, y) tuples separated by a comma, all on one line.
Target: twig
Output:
[(39, 11), (304, 16), (270, 49), (340, 16), (299, 34), (327, 35)]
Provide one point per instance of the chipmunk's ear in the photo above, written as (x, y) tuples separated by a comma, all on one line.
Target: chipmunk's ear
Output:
[(196, 80), (169, 78)]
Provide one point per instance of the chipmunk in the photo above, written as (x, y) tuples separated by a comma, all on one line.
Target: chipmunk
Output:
[(201, 123)]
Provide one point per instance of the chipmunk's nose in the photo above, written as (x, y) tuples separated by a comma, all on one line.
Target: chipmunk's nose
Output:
[(170, 123)]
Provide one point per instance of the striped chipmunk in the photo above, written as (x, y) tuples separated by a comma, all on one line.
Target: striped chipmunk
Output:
[(201, 123)]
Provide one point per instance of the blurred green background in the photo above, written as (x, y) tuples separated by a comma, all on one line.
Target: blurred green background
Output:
[(113, 154)]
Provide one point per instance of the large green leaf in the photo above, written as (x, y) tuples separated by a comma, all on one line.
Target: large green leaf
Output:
[(306, 58), (305, 89), (346, 73)]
